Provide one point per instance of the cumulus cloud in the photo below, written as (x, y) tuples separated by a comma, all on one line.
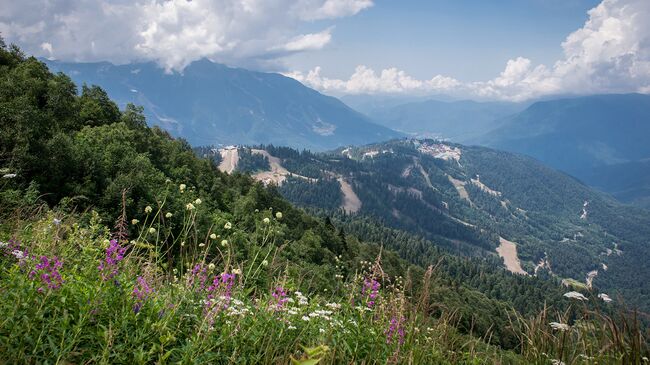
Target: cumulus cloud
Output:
[(609, 54), (171, 32)]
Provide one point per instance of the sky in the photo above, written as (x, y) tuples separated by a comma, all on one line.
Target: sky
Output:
[(495, 50)]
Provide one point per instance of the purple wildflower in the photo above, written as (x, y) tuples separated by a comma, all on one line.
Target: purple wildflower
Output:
[(395, 329), (198, 273), (141, 292), (370, 291), (47, 270), (219, 295), (279, 297), (114, 254)]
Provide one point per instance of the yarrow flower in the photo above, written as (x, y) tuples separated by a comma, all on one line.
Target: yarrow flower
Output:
[(198, 201), (47, 271), (604, 297), (228, 225), (108, 268), (189, 206), (152, 230), (147, 209), (266, 220), (213, 236), (135, 221), (575, 295), (182, 187), (224, 243), (278, 215), (265, 263), (560, 326), (168, 215), (8, 176), (141, 292)]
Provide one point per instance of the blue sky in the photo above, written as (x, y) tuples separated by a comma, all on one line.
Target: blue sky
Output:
[(467, 39)]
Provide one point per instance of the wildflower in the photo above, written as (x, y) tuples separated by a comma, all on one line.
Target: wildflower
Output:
[(370, 291), (108, 268), (8, 176), (197, 272), (183, 244), (48, 270), (265, 263), (396, 327), (211, 267), (236, 271), (189, 206), (333, 305), (291, 327), (3, 245), (305, 318), (605, 298), (213, 236), (135, 221), (198, 201), (279, 295), (266, 220), (148, 209), (182, 187), (201, 244), (224, 243), (141, 292), (18, 254), (168, 215), (575, 295), (152, 230), (321, 330), (56, 221), (560, 326), (228, 225), (278, 215)]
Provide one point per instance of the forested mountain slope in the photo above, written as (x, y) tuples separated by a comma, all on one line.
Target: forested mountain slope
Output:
[(479, 201), (601, 139)]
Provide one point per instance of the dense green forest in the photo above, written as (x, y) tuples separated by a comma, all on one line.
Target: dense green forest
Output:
[(410, 185), (118, 244)]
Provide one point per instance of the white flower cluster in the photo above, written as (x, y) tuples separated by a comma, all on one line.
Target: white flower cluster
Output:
[(575, 295), (302, 300), (18, 254), (333, 306), (560, 326), (605, 298)]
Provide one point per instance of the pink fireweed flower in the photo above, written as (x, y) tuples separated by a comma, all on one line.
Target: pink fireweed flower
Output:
[(47, 270), (395, 330), (279, 295), (141, 292), (108, 268), (370, 291)]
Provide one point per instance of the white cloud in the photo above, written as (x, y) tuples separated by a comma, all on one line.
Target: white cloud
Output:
[(610, 53), (365, 80), (171, 32)]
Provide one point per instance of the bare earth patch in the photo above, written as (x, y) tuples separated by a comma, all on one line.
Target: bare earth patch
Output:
[(460, 187), (278, 173), (351, 202), (508, 251), (229, 159)]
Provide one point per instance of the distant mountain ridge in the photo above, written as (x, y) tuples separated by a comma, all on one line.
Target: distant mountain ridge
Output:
[(601, 139), (459, 121), (210, 103)]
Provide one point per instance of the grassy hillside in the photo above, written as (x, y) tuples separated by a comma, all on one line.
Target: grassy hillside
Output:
[(119, 245)]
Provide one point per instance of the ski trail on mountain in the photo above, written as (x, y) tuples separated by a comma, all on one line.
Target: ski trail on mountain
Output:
[(508, 251)]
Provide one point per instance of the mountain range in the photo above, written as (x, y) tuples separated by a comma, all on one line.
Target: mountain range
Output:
[(600, 139), (209, 103), (473, 201)]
